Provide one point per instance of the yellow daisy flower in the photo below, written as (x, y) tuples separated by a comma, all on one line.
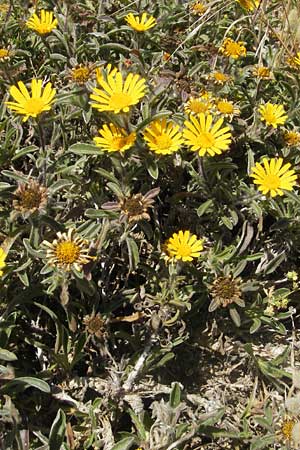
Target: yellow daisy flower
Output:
[(262, 72), (205, 137), (219, 77), (116, 94), (250, 5), (3, 256), (233, 49), (140, 24), (4, 54), (226, 108), (292, 138), (68, 251), (183, 246), (197, 105), (294, 61), (43, 24), (273, 177), (114, 139), (162, 137), (272, 114), (31, 106)]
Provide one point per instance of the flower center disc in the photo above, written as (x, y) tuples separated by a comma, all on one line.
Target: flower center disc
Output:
[(184, 250), (272, 181), (225, 108), (270, 117), (199, 107), (233, 49), (67, 252), (82, 74), (31, 199), (164, 142), (120, 100), (118, 142), (34, 106), (206, 140)]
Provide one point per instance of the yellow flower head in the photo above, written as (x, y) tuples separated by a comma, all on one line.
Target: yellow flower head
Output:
[(114, 139), (162, 137), (262, 72), (197, 105), (3, 256), (250, 5), (204, 137), (219, 77), (292, 138), (294, 61), (67, 251), (116, 94), (226, 108), (34, 105), (233, 49), (272, 114), (140, 24), (272, 177), (43, 24), (183, 246), (4, 54), (198, 8)]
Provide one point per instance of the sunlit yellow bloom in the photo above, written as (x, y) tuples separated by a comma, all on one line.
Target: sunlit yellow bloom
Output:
[(219, 77), (273, 177), (197, 105), (198, 8), (226, 108), (233, 49), (294, 61), (183, 246), (116, 94), (292, 138), (163, 137), (204, 137), (68, 251), (272, 114), (3, 256), (4, 54), (43, 24), (262, 72), (114, 139), (34, 105), (250, 5), (140, 24)]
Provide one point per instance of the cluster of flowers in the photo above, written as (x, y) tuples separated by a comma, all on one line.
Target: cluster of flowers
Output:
[(202, 133)]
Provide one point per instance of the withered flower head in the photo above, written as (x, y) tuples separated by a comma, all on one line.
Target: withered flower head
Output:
[(135, 207), (68, 251), (81, 73), (292, 138), (30, 197), (95, 325), (224, 291)]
